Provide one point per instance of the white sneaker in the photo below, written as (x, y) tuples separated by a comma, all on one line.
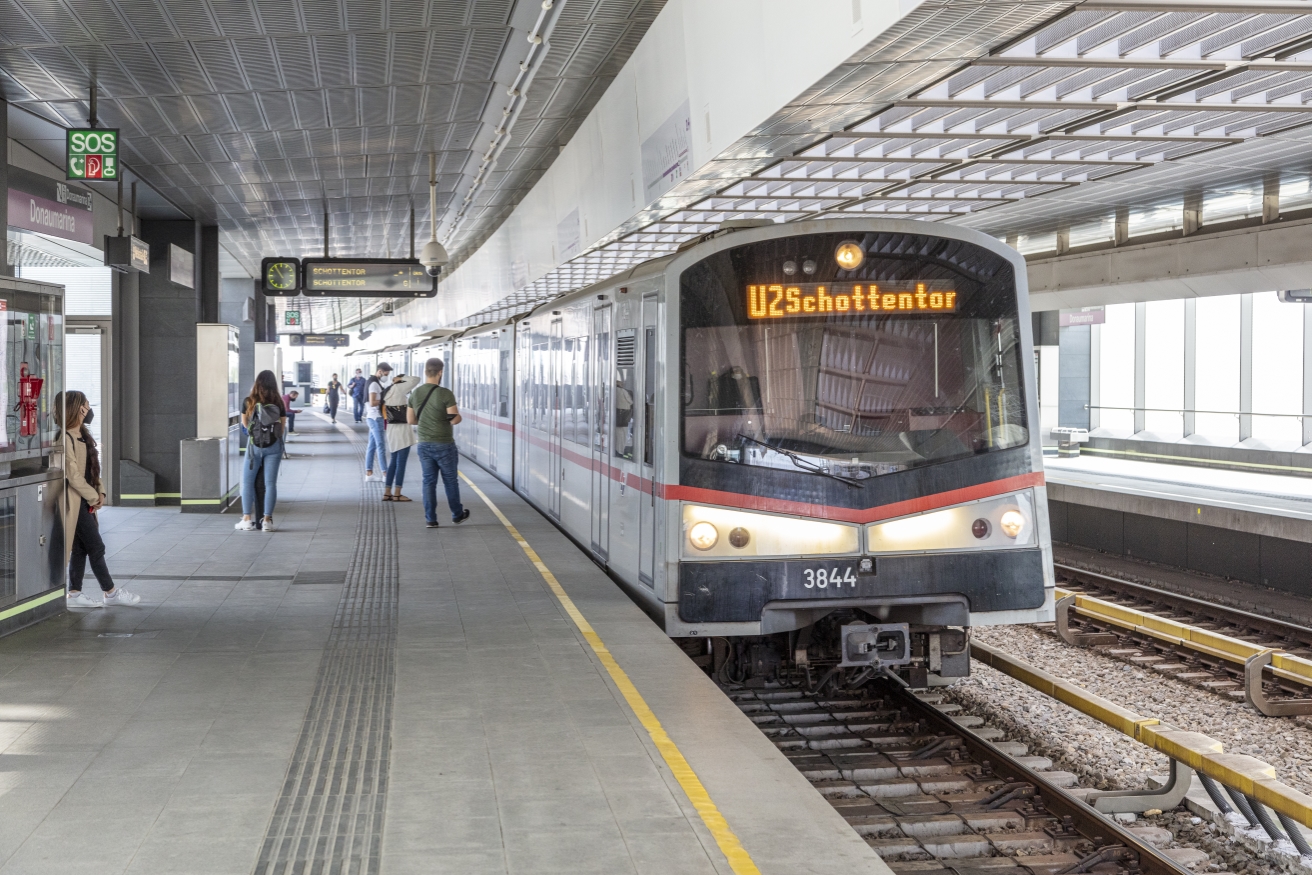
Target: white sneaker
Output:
[(245, 525), (268, 524), (82, 600), (121, 596)]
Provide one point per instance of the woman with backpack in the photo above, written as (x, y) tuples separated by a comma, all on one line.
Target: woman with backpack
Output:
[(82, 498), (400, 435), (265, 419)]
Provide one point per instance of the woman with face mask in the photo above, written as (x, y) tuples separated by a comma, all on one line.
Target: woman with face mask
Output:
[(82, 498)]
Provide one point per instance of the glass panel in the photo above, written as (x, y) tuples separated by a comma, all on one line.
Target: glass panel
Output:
[(1277, 369), (648, 394), (909, 359), (1164, 369), (83, 352), (1116, 371), (626, 379), (1216, 368), (8, 549), (88, 291)]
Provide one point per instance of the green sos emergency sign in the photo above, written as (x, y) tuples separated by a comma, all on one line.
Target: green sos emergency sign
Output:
[(93, 153)]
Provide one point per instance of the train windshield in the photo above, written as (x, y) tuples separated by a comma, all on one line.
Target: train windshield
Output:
[(851, 355)]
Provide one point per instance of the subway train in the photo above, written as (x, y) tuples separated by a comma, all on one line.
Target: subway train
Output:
[(800, 447)]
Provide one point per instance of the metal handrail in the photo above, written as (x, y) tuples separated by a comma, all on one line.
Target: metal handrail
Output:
[(1183, 411)]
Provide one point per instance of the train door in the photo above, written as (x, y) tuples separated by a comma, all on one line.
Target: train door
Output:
[(556, 467), (523, 368), (601, 392), (648, 446)]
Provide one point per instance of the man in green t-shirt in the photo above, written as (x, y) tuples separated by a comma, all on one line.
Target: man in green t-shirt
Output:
[(433, 409)]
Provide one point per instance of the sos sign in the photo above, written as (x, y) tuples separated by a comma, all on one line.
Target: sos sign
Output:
[(93, 153)]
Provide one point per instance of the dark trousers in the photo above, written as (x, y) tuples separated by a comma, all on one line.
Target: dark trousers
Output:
[(87, 544), (359, 407), (332, 409), (291, 421), (440, 461)]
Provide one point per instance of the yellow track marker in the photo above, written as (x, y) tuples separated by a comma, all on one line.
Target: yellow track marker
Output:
[(739, 860)]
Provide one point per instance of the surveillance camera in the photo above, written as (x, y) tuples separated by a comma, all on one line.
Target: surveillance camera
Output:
[(434, 257)]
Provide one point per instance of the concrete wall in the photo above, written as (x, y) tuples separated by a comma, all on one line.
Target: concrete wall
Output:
[(1259, 258)]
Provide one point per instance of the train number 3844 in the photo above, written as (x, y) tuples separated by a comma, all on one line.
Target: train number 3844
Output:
[(820, 578)]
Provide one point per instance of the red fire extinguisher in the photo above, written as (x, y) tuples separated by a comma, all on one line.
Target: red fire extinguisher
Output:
[(29, 389)]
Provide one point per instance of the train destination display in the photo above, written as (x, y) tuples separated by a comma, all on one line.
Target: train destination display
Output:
[(781, 301), (366, 277)]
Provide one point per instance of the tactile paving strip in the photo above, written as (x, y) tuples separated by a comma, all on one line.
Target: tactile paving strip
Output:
[(329, 817)]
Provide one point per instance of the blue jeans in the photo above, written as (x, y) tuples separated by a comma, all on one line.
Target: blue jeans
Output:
[(440, 459), (396, 467), (377, 444), (268, 458), (359, 407)]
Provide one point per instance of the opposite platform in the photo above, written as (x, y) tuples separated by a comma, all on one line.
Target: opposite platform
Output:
[(356, 689)]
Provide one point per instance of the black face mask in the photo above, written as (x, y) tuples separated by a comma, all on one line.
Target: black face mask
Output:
[(91, 415)]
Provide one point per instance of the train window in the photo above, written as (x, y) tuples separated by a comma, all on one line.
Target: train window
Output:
[(626, 379), (574, 385), (503, 385), (648, 395), (910, 359)]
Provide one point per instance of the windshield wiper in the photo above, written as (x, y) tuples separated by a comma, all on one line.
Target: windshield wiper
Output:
[(804, 463)]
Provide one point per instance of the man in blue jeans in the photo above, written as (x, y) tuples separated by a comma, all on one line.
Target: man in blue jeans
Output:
[(433, 409), (374, 417), (356, 388)]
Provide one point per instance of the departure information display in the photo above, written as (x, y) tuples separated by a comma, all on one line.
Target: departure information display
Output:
[(788, 300), (368, 277)]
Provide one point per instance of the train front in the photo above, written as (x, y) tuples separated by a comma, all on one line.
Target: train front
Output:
[(860, 476)]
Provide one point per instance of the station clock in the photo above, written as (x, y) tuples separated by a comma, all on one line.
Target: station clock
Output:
[(281, 277)]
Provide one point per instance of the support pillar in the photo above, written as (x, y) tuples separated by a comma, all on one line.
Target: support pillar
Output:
[(1307, 374), (1140, 366), (5, 268), (207, 288), (1193, 212), (168, 314), (1190, 365), (1245, 367), (1270, 198), (1121, 230)]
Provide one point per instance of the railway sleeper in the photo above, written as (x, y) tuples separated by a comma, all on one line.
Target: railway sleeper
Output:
[(922, 801)]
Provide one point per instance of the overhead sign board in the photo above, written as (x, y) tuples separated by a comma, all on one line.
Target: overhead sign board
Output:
[(332, 340), (366, 278), (92, 153), (1083, 316), (127, 253), (39, 203), (280, 277)]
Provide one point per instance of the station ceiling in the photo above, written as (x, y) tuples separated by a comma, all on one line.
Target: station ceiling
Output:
[(253, 115), (1035, 122)]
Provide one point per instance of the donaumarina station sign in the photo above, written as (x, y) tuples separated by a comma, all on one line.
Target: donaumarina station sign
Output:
[(50, 206)]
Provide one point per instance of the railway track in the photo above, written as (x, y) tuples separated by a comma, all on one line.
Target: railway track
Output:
[(934, 796), (1210, 671)]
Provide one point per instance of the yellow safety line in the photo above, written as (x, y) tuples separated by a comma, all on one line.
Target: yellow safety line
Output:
[(739, 860)]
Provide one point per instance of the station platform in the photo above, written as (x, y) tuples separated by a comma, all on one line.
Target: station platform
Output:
[(1250, 527), (357, 693)]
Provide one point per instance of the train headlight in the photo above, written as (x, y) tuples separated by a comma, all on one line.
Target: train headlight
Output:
[(1012, 522), (991, 524), (703, 535), (849, 255), (756, 535)]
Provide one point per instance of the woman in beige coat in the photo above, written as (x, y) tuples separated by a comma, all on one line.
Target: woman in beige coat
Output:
[(82, 498)]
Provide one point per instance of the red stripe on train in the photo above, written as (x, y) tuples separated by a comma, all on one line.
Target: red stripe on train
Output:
[(675, 492)]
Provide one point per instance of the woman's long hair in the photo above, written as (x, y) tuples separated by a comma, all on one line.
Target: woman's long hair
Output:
[(265, 391), (68, 406)]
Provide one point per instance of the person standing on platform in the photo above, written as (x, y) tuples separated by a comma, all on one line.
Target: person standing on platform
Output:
[(288, 411), (265, 419), (334, 396), (433, 409), (373, 415), (82, 498), (400, 434), (356, 388)]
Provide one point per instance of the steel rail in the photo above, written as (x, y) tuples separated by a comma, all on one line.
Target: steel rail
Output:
[(1083, 817), (1246, 775)]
